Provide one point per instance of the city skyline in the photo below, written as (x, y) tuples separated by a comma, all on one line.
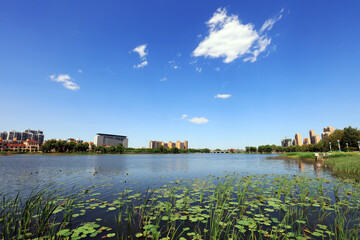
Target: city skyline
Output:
[(155, 71)]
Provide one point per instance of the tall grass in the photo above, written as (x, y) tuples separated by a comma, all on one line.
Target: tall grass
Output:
[(348, 163), (39, 214), (299, 155)]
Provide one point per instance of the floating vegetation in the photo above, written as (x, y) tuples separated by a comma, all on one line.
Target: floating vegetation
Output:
[(226, 207)]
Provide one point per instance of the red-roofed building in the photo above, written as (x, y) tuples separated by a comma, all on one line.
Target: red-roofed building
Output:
[(32, 145), (18, 146)]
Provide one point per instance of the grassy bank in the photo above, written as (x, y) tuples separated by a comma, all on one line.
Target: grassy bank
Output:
[(299, 155), (348, 163), (227, 207)]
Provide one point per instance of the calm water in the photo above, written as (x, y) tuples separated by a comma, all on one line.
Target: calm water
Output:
[(24, 172)]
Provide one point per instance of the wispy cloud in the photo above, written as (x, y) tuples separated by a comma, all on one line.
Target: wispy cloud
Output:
[(230, 39), (184, 116), (79, 71), (141, 50), (199, 120), (198, 69), (196, 120), (174, 65), (223, 96), (163, 79), (141, 65), (66, 81), (268, 24)]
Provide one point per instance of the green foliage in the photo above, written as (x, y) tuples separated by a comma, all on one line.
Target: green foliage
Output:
[(265, 149), (250, 149), (299, 155), (351, 136), (348, 163)]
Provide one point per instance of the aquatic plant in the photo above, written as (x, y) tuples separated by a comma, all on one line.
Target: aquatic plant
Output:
[(225, 207)]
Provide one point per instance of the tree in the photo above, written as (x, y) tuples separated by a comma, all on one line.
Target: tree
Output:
[(253, 149), (120, 148), (351, 136), (334, 137)]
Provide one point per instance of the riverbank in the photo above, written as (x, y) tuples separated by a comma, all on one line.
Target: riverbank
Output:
[(347, 163), (85, 153), (298, 155), (216, 207)]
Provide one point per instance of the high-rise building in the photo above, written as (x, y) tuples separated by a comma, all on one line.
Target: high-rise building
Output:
[(27, 134), (171, 144), (298, 139), (327, 131), (307, 141), (286, 142), (110, 140), (311, 133), (155, 144), (180, 145), (186, 144), (314, 138), (13, 134), (36, 135), (3, 135)]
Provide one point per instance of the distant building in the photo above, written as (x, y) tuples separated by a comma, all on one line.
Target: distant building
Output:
[(287, 142), (314, 138), (36, 135), (327, 131), (171, 144), (19, 146), (155, 144), (307, 141), (110, 140), (178, 144), (3, 135), (298, 139)]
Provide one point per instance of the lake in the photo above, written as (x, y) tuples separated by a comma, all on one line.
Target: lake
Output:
[(153, 196), (24, 172)]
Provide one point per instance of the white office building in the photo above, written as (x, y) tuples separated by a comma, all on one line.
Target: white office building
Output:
[(110, 139)]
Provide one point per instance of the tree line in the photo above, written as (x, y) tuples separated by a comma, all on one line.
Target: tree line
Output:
[(62, 146), (348, 138)]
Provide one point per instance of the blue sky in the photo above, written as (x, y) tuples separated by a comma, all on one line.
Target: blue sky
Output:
[(243, 72)]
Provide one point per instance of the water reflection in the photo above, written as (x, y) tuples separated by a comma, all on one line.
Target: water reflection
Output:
[(18, 172)]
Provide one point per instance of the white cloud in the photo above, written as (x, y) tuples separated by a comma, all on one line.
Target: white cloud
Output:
[(198, 69), (66, 80), (223, 96), (268, 24), (184, 116), (217, 69), (200, 120), (163, 79), (141, 50), (230, 39), (176, 67), (141, 65), (79, 71)]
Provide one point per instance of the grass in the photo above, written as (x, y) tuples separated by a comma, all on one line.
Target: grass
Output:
[(225, 207), (37, 216), (348, 163), (299, 155)]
